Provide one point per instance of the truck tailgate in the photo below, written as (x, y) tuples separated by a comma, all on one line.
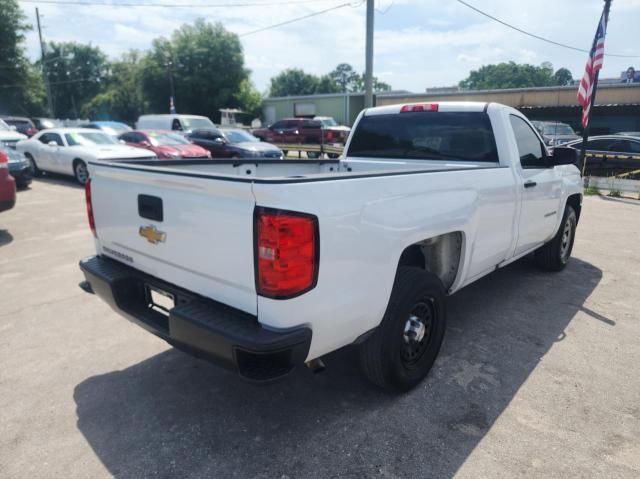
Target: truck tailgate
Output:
[(194, 232)]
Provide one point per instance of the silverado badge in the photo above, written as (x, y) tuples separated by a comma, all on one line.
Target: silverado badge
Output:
[(152, 234)]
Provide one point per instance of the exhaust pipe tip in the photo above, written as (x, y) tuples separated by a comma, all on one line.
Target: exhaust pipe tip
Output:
[(316, 365)]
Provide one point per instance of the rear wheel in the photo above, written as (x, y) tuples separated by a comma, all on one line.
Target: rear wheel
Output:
[(555, 255), (313, 154), (81, 172), (402, 350), (35, 171), (333, 156)]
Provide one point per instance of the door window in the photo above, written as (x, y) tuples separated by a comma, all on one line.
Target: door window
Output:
[(48, 137), (530, 149)]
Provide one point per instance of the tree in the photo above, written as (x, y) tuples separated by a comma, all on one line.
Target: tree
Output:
[(204, 61), (123, 98), (249, 99), (76, 73), (562, 77), (513, 75), (325, 84), (293, 81), (21, 88), (345, 77)]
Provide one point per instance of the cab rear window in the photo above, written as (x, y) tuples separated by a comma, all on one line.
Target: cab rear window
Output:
[(452, 136)]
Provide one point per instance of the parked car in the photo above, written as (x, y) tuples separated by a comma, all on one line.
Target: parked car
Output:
[(7, 184), (275, 264), (22, 125), (610, 154), (555, 133), (234, 143), (9, 136), (165, 144), (174, 122), (304, 131), (113, 128), (69, 150), (44, 123), (19, 166)]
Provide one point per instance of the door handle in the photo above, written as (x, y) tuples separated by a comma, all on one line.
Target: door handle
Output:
[(530, 184)]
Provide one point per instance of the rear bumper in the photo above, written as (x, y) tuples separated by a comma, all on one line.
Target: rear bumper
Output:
[(205, 328)]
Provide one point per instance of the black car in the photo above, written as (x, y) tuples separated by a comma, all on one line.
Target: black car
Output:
[(22, 125), (44, 123), (234, 143), (610, 154), (19, 167)]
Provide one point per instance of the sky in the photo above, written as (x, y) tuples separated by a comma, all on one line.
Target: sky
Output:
[(417, 44)]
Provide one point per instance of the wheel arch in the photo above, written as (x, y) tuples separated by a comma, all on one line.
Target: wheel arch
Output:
[(575, 201), (440, 255)]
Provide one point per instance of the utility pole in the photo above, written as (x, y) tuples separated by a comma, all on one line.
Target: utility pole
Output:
[(45, 77), (368, 72)]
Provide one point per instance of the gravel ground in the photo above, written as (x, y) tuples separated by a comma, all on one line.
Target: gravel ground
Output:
[(537, 376)]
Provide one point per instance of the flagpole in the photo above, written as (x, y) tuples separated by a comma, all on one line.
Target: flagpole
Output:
[(585, 131)]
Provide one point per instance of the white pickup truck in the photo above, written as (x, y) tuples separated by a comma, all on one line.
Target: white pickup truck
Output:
[(264, 265)]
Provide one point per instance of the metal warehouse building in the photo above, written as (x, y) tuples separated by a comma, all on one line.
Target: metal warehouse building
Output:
[(617, 104)]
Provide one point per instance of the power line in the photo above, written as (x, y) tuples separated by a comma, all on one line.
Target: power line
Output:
[(297, 19), (538, 37), (171, 5)]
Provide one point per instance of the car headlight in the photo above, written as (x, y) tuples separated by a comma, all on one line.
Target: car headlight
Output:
[(174, 156)]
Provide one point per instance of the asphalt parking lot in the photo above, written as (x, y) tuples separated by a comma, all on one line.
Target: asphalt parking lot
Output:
[(538, 375)]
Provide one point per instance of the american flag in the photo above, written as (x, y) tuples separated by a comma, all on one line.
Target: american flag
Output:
[(172, 106), (594, 63)]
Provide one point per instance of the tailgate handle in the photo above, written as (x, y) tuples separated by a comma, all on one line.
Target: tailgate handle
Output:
[(150, 207)]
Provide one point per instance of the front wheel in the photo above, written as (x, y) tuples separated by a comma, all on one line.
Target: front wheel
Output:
[(555, 254), (35, 171), (81, 172), (402, 349)]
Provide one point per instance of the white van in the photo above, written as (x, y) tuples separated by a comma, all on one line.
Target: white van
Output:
[(183, 123)]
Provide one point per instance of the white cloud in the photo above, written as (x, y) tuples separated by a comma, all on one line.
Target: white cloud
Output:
[(418, 43)]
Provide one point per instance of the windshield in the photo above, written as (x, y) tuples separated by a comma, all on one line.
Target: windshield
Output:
[(89, 139), (239, 136), (558, 130), (195, 123), (462, 136), (115, 129), (328, 122), (165, 139)]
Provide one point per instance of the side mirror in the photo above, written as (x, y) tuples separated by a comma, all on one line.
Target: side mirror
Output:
[(564, 155), (219, 141), (145, 143), (52, 143)]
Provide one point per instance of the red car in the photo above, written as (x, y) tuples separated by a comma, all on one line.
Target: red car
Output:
[(7, 184), (165, 144)]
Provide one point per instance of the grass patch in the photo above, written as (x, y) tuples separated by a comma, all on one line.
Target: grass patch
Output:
[(615, 194), (591, 191)]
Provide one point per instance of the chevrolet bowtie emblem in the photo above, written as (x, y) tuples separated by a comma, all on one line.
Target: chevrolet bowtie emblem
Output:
[(152, 234)]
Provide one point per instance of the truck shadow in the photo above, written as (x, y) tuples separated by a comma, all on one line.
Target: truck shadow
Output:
[(5, 237), (56, 179), (172, 415)]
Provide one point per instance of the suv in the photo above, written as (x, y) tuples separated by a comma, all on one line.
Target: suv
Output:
[(304, 130), (22, 125)]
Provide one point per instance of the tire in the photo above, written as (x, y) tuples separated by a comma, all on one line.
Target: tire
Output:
[(80, 171), (555, 254), (392, 357), (313, 155), (35, 171), (285, 153), (333, 156)]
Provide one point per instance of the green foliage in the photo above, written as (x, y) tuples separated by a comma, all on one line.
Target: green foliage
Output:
[(76, 73), (615, 194), (591, 191), (21, 91), (123, 98), (206, 64), (248, 99), (343, 78), (513, 75)]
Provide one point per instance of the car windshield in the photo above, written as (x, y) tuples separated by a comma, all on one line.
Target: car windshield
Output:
[(558, 130), (89, 139), (239, 136), (165, 139), (328, 122), (457, 136), (114, 129), (195, 123)]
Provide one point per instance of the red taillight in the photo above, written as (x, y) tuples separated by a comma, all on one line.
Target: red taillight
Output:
[(329, 135), (419, 107), (4, 160), (87, 197), (286, 252)]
